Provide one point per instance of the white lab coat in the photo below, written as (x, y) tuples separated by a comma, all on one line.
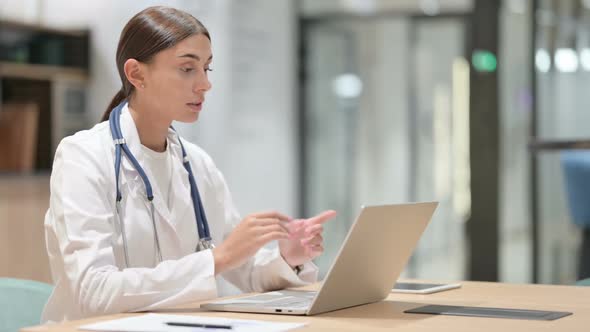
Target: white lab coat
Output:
[(85, 245)]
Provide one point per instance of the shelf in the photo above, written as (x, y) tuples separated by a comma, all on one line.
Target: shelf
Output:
[(10, 24), (50, 68), (40, 72)]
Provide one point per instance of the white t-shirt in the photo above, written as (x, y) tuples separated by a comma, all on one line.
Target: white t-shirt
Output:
[(160, 165)]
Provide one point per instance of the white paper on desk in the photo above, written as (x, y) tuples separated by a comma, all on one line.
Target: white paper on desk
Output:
[(157, 323)]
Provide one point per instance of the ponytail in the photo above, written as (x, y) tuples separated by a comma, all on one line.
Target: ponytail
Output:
[(117, 99)]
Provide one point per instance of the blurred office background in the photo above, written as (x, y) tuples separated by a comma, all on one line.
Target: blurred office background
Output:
[(334, 104)]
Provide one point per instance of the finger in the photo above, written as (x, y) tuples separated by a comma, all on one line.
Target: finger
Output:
[(272, 228), (314, 251), (263, 222), (266, 238), (272, 214), (294, 226), (317, 250), (313, 230), (320, 218), (311, 241)]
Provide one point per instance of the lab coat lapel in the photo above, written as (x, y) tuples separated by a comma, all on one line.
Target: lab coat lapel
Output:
[(135, 183), (129, 175), (182, 204)]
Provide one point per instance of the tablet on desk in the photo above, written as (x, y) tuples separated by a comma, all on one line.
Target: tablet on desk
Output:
[(421, 288)]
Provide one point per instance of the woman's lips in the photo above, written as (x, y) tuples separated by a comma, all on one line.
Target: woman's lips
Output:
[(195, 107)]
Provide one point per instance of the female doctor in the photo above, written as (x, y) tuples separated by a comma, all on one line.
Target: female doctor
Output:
[(158, 228)]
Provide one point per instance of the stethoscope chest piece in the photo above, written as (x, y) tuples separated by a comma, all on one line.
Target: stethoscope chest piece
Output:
[(204, 244)]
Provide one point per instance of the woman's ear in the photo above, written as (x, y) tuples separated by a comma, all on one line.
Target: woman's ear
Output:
[(134, 73)]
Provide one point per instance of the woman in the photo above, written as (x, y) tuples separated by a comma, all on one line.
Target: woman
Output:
[(135, 236)]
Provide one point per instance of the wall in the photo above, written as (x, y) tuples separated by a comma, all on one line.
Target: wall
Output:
[(248, 124), (23, 203)]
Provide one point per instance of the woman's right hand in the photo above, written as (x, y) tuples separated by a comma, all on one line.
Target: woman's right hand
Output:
[(251, 234)]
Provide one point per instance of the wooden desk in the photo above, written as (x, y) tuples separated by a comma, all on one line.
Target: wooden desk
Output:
[(388, 315)]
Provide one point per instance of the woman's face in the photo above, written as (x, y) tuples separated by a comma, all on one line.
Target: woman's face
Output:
[(176, 79)]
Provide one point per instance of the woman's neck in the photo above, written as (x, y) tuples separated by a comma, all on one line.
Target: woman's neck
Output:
[(151, 127)]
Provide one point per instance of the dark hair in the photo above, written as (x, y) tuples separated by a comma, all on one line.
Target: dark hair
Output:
[(150, 31)]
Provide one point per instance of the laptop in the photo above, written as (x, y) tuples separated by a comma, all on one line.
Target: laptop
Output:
[(374, 253)]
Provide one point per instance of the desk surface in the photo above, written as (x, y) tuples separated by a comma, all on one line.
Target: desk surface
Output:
[(389, 314)]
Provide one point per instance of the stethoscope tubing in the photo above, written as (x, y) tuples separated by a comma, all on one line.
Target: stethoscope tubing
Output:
[(120, 148)]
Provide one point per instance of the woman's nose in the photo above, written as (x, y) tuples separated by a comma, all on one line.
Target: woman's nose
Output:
[(203, 84)]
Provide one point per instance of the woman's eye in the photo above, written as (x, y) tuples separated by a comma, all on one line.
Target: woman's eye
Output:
[(186, 70), (208, 69)]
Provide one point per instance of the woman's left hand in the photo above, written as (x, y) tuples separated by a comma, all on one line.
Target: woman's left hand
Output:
[(305, 241)]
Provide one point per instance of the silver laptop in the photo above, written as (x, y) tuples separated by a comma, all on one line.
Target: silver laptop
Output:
[(374, 253)]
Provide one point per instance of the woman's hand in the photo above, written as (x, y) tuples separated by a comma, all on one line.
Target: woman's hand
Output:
[(305, 242), (252, 233)]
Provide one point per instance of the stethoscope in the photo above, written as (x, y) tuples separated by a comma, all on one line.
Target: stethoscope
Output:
[(121, 146)]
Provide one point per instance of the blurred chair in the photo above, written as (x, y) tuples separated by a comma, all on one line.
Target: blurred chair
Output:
[(576, 168), (21, 303)]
